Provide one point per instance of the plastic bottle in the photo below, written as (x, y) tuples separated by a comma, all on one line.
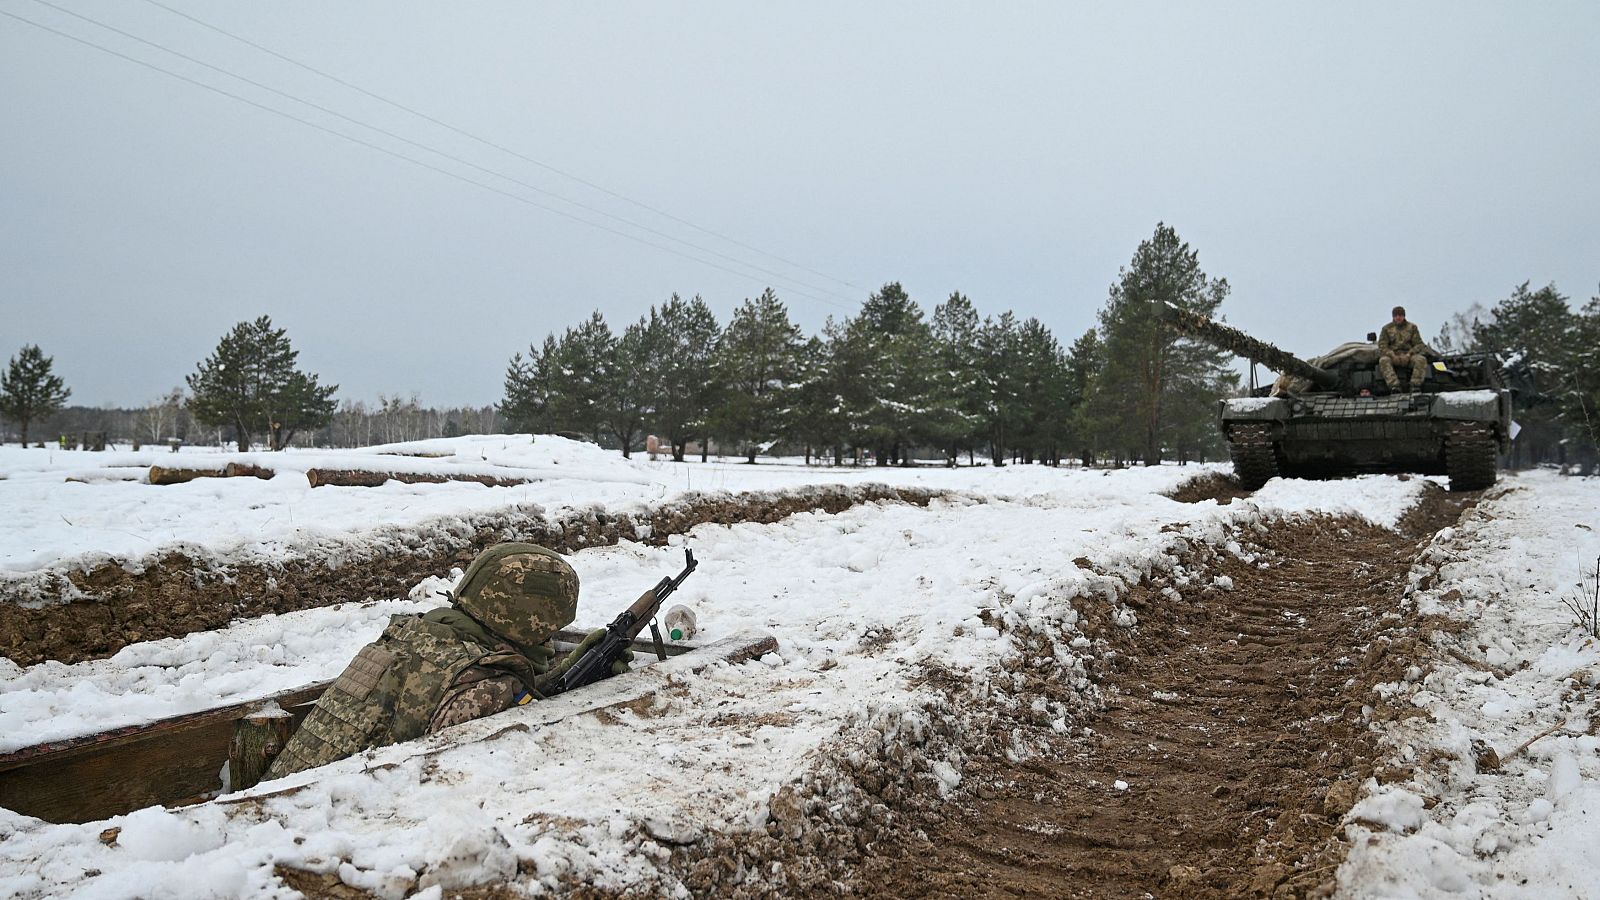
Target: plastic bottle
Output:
[(680, 623)]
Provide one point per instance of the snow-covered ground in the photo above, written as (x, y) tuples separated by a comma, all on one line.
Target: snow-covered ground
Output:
[(67, 509), (861, 603), (1531, 827)]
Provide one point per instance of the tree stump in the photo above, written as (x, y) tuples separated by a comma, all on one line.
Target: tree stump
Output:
[(258, 738)]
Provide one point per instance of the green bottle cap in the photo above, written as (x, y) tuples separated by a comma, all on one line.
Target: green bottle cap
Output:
[(677, 634)]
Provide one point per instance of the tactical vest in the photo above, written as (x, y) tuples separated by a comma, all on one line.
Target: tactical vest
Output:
[(387, 694)]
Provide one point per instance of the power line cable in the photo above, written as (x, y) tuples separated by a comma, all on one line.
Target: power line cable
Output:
[(456, 159), (388, 152), (503, 149)]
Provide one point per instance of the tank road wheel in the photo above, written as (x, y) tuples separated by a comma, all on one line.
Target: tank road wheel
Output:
[(1255, 460), (1469, 456)]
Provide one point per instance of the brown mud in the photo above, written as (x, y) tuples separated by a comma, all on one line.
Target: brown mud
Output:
[(80, 615), (1212, 486), (1234, 721)]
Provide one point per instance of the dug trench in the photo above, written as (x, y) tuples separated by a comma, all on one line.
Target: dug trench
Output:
[(74, 615), (1209, 751), (1233, 737)]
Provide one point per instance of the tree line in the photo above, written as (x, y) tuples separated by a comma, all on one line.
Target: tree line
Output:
[(248, 389), (892, 380), (356, 423)]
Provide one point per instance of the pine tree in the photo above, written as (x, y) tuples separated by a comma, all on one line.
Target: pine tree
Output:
[(581, 376), (1147, 393), (1000, 387), (1530, 328), (817, 417), (682, 372), (1584, 397), (893, 342), (628, 386), (250, 383), (29, 390), (529, 404), (957, 386), (1042, 393), (757, 364), (1536, 332), (1084, 361)]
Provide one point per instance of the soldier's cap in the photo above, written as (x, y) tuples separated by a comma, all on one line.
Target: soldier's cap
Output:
[(1398, 311)]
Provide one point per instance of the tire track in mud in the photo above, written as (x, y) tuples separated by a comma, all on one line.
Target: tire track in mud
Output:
[(77, 615), (1233, 739)]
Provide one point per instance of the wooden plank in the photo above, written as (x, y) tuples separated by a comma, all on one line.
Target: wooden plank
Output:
[(87, 778), (100, 775)]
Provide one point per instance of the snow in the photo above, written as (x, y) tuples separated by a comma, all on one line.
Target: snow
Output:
[(861, 603), (1467, 399), (55, 523), (1467, 403), (1530, 828), (1249, 404)]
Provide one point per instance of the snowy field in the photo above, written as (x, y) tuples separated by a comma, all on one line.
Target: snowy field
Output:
[(74, 509), (861, 603), (1531, 827)]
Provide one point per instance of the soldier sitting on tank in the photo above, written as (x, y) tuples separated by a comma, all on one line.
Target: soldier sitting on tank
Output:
[(481, 655), (1400, 345)]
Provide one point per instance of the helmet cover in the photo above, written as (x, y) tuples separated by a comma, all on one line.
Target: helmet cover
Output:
[(522, 592)]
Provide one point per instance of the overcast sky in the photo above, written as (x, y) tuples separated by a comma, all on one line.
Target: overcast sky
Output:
[(1329, 160)]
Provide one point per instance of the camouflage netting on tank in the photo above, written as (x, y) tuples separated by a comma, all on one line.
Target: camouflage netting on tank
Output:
[(75, 614)]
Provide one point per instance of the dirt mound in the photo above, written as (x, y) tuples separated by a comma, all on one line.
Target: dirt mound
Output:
[(1232, 741), (1211, 486), (113, 605)]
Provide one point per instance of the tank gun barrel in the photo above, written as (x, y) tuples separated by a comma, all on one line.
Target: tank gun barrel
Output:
[(1240, 344)]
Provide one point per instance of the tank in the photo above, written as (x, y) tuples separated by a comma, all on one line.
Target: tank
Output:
[(1334, 416)]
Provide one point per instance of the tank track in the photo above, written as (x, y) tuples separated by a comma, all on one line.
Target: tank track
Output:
[(1255, 459), (1469, 456)]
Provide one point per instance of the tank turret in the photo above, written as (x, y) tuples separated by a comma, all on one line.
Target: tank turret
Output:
[(1237, 342)]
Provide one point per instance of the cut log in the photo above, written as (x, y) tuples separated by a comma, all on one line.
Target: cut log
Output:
[(369, 478), (247, 470), (166, 475), (257, 740), (109, 474)]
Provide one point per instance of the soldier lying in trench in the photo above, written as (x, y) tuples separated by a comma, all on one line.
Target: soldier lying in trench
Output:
[(485, 653)]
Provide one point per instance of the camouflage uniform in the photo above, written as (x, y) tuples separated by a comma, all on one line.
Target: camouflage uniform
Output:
[(1402, 339), (478, 657)]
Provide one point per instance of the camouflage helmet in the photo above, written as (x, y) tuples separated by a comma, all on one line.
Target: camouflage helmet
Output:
[(522, 592)]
